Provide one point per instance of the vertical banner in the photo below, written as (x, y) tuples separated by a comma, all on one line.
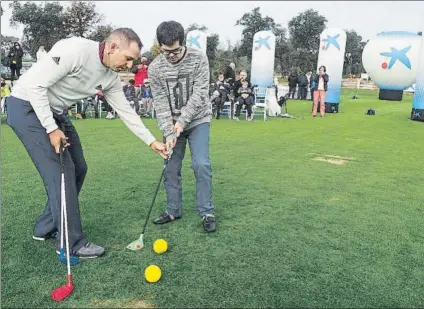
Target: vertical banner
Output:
[(331, 55), (263, 56), (197, 39), (418, 103)]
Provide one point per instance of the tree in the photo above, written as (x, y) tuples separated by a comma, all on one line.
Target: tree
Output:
[(82, 18), (100, 33), (305, 30), (282, 49), (354, 48), (155, 49), (420, 33), (43, 24), (253, 22)]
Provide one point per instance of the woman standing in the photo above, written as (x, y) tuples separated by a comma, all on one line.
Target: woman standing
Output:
[(15, 60), (321, 82)]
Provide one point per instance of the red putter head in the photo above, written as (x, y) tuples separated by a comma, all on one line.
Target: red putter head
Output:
[(63, 291)]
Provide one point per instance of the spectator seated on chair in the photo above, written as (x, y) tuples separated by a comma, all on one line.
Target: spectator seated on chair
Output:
[(245, 98), (221, 93), (129, 91), (146, 98), (5, 93)]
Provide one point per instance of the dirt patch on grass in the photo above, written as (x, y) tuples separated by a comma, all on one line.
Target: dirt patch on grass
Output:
[(332, 159), (111, 303)]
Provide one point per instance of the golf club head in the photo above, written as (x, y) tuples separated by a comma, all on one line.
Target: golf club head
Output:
[(137, 244), (62, 292), (73, 259)]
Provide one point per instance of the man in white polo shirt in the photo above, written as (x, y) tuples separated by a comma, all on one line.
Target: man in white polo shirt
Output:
[(74, 69)]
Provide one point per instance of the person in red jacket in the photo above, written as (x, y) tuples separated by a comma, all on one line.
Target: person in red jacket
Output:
[(140, 72)]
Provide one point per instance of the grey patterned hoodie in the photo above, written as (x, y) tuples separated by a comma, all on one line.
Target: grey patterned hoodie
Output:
[(181, 91)]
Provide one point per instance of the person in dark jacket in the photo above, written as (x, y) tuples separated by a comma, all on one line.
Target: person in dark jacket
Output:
[(242, 76), (129, 91), (222, 92), (245, 97), (302, 82), (292, 84), (321, 82), (15, 60), (230, 74)]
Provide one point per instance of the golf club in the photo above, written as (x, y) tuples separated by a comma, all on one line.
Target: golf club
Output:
[(62, 257), (139, 244), (65, 290)]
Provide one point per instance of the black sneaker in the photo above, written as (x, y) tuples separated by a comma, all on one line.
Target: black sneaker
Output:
[(209, 223), (52, 235), (165, 218)]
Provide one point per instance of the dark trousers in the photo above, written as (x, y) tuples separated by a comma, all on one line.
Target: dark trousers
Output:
[(220, 102), (302, 92), (292, 91), (15, 70), (249, 103), (24, 122), (136, 103), (82, 106)]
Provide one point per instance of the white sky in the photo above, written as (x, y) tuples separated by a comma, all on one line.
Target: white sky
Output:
[(366, 17)]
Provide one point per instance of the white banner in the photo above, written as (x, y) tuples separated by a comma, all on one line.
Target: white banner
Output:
[(197, 39), (331, 55), (263, 56)]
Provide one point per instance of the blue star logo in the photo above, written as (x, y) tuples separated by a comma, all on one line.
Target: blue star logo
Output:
[(332, 40), (264, 42), (398, 55), (194, 41)]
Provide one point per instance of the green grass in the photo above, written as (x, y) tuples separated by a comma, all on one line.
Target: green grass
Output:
[(292, 231)]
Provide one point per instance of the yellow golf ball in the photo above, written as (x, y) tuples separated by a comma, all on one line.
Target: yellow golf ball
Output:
[(160, 246), (152, 273)]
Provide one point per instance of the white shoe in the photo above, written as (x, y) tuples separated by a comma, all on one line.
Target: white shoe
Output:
[(236, 118)]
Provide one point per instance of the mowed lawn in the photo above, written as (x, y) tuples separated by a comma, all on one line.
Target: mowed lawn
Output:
[(298, 226)]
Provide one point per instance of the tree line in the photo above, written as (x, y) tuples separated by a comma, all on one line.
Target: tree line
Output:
[(296, 46)]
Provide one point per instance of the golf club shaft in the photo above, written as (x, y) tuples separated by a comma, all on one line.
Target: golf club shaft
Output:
[(62, 189), (154, 197), (64, 206)]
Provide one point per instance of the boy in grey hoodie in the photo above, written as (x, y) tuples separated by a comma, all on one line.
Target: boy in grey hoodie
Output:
[(179, 79)]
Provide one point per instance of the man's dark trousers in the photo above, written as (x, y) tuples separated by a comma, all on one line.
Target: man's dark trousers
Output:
[(24, 122)]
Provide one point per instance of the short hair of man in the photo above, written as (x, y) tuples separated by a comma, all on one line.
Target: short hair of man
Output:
[(168, 32), (126, 35)]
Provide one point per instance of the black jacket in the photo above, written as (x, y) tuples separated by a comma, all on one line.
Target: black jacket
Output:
[(15, 55), (292, 80), (302, 80), (237, 85), (316, 80), (229, 73)]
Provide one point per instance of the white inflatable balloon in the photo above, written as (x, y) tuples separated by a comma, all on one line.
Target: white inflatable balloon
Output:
[(391, 59)]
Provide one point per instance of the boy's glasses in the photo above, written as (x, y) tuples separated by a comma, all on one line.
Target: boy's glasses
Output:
[(176, 51)]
